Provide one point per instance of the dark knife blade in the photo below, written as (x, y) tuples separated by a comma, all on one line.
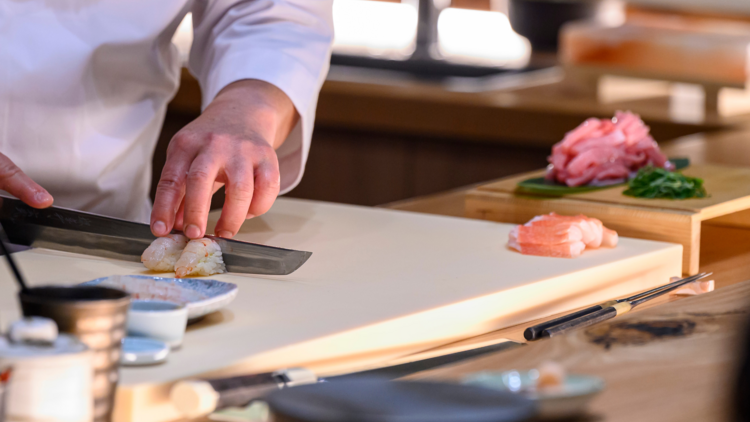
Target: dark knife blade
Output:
[(91, 234), (251, 258)]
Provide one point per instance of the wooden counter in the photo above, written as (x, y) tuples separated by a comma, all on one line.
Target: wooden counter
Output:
[(675, 362)]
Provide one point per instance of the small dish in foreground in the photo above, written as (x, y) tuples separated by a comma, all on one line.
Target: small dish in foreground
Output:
[(567, 400), (200, 296), (159, 320), (137, 351)]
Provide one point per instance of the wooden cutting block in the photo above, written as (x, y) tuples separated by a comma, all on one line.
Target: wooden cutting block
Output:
[(713, 54), (656, 219), (378, 281), (717, 56)]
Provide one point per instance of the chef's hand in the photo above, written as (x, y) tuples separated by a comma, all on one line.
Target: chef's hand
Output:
[(17, 183), (232, 143)]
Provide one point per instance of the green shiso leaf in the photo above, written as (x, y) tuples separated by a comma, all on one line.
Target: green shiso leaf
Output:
[(651, 182), (542, 186)]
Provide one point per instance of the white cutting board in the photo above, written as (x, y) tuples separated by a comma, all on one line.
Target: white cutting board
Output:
[(377, 280)]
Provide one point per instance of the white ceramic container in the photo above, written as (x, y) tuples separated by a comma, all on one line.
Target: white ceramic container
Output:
[(48, 382), (159, 320)]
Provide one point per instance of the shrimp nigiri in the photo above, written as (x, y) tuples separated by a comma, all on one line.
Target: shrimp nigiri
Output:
[(163, 252), (200, 257)]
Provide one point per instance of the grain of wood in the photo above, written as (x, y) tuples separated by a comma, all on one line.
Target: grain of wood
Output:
[(685, 375)]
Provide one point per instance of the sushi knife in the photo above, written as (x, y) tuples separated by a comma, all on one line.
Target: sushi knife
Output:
[(535, 332), (69, 230), (622, 307), (195, 398)]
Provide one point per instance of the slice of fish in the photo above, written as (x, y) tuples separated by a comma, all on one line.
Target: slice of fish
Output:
[(562, 236), (560, 233), (562, 250)]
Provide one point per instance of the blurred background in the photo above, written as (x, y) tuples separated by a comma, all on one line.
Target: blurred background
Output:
[(425, 96)]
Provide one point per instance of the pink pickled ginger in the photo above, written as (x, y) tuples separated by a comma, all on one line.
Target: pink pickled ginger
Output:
[(602, 152)]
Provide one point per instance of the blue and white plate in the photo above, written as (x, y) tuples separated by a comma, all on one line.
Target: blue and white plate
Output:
[(200, 296)]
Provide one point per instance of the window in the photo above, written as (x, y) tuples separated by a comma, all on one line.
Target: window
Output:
[(459, 37)]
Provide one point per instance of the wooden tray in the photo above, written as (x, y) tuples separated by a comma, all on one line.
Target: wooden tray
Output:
[(655, 219), (379, 282)]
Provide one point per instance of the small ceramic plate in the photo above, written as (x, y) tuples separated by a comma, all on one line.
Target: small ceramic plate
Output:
[(200, 296), (137, 351), (568, 400)]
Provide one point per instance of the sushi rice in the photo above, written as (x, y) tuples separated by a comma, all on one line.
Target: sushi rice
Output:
[(200, 257)]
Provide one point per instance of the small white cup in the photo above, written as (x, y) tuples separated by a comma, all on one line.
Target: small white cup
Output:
[(158, 319)]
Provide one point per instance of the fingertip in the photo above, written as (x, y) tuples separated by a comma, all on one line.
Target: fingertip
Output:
[(193, 232), (41, 199), (159, 228)]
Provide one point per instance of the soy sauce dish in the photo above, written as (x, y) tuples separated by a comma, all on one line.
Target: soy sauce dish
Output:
[(158, 320)]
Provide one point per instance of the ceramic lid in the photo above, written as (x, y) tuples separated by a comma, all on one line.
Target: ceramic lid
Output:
[(64, 344), (138, 351)]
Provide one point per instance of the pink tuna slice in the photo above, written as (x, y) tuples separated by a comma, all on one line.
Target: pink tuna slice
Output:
[(562, 250)]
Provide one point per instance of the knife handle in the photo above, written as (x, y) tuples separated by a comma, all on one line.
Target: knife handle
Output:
[(588, 320), (195, 398), (535, 331)]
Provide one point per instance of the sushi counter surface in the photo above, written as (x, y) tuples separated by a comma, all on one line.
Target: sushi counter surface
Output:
[(380, 284), (674, 359)]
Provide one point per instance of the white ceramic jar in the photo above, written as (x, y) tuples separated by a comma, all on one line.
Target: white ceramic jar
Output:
[(49, 382)]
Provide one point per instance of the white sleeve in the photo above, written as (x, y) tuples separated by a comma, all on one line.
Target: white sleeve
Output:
[(283, 42)]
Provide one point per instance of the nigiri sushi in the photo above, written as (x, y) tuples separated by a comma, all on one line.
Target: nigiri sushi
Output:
[(163, 252), (560, 236), (200, 257)]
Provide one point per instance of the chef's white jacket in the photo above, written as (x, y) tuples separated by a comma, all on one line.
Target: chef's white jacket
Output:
[(84, 84)]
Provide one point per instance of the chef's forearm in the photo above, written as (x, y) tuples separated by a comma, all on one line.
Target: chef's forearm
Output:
[(270, 111)]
